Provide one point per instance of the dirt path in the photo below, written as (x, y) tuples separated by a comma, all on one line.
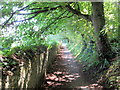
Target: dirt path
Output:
[(66, 73)]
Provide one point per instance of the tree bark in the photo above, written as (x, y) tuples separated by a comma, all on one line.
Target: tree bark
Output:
[(98, 20)]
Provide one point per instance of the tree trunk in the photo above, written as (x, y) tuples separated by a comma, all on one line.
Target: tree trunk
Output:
[(98, 20)]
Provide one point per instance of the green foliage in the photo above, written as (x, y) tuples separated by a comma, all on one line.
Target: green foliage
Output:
[(88, 56), (24, 40), (112, 75), (9, 7), (112, 23), (49, 27)]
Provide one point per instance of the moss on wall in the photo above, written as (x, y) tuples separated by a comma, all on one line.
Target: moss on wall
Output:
[(32, 73)]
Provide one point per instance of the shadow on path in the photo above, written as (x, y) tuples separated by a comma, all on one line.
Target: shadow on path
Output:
[(66, 73)]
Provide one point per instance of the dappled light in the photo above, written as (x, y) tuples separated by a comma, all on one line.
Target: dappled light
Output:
[(91, 87), (70, 44), (65, 73)]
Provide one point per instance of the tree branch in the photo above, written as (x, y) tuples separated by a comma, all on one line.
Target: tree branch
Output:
[(53, 22), (36, 13), (27, 18), (8, 20), (40, 11), (64, 17), (38, 8), (26, 6), (15, 12), (84, 16)]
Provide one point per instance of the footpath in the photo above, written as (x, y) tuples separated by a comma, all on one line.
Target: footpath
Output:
[(66, 74)]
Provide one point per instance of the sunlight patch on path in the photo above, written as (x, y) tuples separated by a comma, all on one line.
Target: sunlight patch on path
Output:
[(66, 73)]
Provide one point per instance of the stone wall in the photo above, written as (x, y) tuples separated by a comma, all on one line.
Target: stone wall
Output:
[(32, 73)]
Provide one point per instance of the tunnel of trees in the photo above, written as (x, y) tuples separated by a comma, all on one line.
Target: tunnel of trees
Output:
[(91, 30)]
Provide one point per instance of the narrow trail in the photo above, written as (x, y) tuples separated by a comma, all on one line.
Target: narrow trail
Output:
[(66, 73)]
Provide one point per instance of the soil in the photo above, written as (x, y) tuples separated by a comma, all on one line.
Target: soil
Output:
[(66, 73)]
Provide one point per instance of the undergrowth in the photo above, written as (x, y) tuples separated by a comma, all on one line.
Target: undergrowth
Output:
[(108, 72), (88, 56)]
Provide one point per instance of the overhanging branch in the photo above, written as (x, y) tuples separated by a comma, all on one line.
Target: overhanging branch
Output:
[(40, 11), (35, 14), (84, 16), (15, 13), (53, 22), (27, 18)]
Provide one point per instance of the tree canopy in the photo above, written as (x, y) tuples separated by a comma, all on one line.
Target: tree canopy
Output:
[(29, 24)]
